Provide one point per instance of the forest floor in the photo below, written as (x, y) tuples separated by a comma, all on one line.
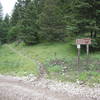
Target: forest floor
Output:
[(28, 88)]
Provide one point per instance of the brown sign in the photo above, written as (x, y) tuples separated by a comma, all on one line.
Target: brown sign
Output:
[(83, 41)]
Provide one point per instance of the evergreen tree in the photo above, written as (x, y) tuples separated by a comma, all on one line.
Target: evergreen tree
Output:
[(1, 15), (15, 16), (84, 18), (25, 16), (30, 27), (15, 31), (1, 31), (18, 12), (97, 6), (6, 26), (51, 21)]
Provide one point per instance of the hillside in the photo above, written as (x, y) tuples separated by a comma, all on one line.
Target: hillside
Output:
[(21, 60)]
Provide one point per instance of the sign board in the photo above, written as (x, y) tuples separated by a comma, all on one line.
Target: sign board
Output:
[(78, 46), (83, 41)]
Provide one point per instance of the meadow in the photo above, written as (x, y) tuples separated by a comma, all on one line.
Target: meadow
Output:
[(60, 59)]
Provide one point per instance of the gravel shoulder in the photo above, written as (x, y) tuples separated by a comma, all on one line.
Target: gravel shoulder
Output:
[(28, 88)]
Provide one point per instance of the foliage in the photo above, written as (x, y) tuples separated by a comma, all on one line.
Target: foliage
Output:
[(85, 17), (25, 15), (13, 33), (30, 28), (4, 27), (0, 23), (1, 12), (96, 44), (51, 21)]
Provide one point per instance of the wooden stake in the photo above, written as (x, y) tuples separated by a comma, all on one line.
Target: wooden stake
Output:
[(87, 47), (87, 50), (78, 57)]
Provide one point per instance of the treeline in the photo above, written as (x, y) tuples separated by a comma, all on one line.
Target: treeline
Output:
[(34, 21)]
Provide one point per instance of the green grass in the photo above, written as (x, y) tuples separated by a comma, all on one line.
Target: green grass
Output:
[(87, 77), (45, 51), (90, 77), (14, 64), (11, 63)]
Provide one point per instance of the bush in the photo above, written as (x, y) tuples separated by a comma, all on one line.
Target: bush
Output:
[(30, 37), (13, 33), (96, 44)]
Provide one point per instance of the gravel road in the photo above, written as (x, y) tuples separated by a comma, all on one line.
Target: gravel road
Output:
[(27, 88)]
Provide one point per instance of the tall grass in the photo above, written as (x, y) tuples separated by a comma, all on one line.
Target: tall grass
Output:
[(60, 59)]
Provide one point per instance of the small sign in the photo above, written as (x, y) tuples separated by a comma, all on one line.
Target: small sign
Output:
[(78, 46), (83, 41)]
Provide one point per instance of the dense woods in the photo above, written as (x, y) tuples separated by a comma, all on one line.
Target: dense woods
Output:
[(34, 21)]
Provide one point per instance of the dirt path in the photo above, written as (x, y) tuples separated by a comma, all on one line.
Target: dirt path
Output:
[(14, 88)]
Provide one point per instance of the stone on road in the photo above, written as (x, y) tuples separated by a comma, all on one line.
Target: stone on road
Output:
[(19, 89)]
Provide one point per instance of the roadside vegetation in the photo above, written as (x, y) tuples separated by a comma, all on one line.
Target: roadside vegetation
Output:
[(60, 60)]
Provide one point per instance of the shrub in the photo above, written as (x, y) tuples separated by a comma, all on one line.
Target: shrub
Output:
[(96, 43), (13, 33)]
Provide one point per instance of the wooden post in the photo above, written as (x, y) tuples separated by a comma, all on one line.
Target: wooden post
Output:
[(78, 57), (87, 49), (78, 60)]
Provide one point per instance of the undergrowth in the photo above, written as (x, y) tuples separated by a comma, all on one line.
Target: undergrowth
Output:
[(60, 59)]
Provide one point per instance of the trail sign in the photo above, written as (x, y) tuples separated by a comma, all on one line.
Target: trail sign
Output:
[(83, 41)]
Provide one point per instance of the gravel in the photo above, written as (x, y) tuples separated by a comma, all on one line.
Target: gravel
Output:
[(45, 89)]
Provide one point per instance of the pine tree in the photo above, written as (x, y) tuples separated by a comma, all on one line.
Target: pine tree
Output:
[(30, 27), (24, 20), (97, 3), (6, 26), (51, 21), (15, 31), (1, 31), (85, 18), (1, 15), (18, 12)]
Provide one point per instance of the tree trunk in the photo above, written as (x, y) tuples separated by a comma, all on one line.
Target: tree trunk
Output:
[(95, 34), (91, 34)]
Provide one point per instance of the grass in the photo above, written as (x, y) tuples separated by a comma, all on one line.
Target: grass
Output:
[(87, 77), (14, 64), (45, 51), (11, 63), (67, 70)]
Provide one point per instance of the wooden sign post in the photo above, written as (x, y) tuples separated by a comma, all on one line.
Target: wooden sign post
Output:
[(87, 47), (79, 42), (79, 49)]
